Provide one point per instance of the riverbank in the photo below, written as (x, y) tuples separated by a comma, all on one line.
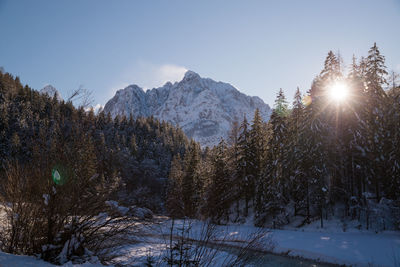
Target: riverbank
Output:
[(350, 248), (300, 247)]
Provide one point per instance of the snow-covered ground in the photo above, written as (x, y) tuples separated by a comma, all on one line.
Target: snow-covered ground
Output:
[(357, 249), (19, 260), (341, 242), (331, 244), (9, 260)]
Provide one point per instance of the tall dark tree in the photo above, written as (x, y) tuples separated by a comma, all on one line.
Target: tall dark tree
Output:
[(273, 187), (293, 157), (244, 166), (376, 130), (174, 202), (191, 180), (314, 133), (233, 166), (257, 147), (219, 192)]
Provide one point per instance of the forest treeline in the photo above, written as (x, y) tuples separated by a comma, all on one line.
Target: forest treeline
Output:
[(315, 159), (136, 151), (60, 167)]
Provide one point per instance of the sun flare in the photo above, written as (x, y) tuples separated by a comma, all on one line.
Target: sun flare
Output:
[(339, 91)]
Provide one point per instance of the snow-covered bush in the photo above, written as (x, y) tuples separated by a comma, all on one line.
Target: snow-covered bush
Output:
[(60, 219), (202, 243), (132, 211)]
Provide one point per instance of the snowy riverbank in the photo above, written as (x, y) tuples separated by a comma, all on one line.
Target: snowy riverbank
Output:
[(355, 248)]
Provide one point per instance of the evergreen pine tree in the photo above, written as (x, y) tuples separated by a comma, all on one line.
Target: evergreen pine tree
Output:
[(233, 163), (257, 148), (219, 193), (245, 157), (376, 131), (293, 157), (275, 183), (315, 157), (174, 202), (190, 179)]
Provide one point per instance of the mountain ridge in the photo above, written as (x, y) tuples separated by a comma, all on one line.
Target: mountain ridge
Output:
[(205, 109)]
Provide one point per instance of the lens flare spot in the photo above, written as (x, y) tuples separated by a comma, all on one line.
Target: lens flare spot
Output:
[(56, 176), (307, 100)]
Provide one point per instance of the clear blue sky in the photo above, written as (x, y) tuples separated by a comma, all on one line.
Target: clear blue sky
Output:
[(257, 46)]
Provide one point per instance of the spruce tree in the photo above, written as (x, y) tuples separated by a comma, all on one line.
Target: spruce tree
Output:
[(174, 202), (275, 183), (293, 157), (331, 71), (219, 196), (244, 166), (233, 163), (376, 131), (314, 132), (190, 178), (257, 147)]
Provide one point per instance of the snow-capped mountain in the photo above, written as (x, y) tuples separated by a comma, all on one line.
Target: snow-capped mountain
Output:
[(51, 91), (203, 108)]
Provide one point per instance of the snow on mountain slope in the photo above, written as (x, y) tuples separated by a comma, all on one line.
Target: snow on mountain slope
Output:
[(203, 108), (51, 92)]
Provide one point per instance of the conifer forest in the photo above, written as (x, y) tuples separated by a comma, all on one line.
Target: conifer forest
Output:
[(292, 160)]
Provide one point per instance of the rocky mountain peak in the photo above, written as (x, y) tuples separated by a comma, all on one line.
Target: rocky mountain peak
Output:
[(190, 75), (203, 108)]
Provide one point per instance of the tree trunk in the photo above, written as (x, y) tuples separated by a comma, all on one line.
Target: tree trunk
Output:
[(322, 217), (246, 211)]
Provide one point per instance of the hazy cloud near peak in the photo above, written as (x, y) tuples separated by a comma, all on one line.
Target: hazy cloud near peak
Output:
[(148, 75), (168, 73)]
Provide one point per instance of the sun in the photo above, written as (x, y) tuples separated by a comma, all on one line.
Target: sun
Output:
[(338, 91)]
